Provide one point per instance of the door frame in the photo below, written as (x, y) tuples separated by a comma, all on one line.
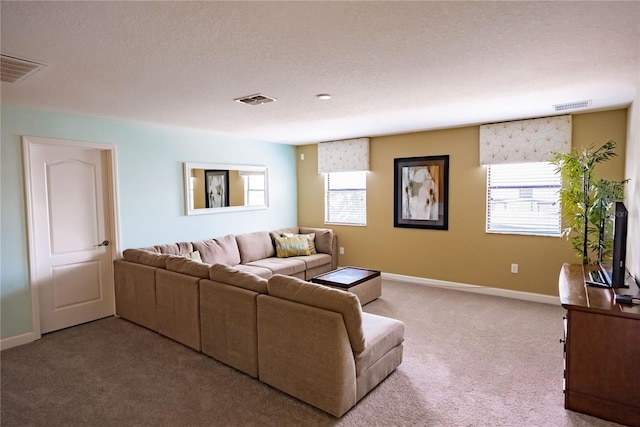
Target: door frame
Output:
[(111, 215)]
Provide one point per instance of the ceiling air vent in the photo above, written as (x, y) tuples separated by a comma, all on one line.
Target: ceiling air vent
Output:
[(13, 70), (256, 99), (573, 105)]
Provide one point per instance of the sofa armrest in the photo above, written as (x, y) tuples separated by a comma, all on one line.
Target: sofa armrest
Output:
[(143, 256), (135, 290), (326, 242)]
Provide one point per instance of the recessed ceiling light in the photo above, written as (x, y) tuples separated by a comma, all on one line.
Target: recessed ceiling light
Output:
[(323, 96)]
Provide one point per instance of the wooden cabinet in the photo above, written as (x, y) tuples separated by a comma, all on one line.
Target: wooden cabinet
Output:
[(602, 349)]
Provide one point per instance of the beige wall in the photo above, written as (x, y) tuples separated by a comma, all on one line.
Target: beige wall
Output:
[(199, 199), (465, 253), (236, 189)]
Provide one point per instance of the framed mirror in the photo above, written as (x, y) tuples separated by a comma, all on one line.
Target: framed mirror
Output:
[(217, 188)]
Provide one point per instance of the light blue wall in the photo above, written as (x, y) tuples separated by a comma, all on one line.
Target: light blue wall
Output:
[(149, 161)]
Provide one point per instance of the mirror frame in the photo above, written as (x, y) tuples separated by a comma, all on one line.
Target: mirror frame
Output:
[(188, 203)]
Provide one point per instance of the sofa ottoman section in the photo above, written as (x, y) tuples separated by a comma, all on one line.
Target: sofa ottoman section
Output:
[(315, 343), (383, 351)]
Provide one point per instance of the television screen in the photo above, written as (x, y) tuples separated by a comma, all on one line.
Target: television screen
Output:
[(614, 248)]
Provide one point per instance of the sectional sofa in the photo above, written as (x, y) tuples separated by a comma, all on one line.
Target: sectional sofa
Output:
[(310, 341), (156, 290)]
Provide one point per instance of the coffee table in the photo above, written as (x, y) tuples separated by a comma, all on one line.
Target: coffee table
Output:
[(366, 284)]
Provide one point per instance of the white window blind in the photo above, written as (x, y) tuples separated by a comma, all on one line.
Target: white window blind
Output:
[(346, 198), (254, 189), (523, 198)]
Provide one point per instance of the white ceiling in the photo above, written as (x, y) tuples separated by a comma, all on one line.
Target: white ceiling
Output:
[(391, 67)]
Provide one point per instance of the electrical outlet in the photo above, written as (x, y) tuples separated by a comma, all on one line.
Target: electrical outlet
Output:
[(302, 156), (341, 250), (514, 268)]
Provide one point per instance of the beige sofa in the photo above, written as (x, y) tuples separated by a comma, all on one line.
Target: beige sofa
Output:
[(316, 344), (310, 341), (155, 290)]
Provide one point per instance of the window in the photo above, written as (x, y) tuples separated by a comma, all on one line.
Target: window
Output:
[(346, 198), (254, 190), (523, 198)]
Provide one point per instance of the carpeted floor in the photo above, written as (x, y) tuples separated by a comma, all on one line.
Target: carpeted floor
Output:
[(469, 360)]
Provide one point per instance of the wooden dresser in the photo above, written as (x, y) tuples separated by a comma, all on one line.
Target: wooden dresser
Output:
[(601, 349)]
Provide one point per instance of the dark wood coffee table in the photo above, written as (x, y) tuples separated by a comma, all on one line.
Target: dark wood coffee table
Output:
[(366, 284)]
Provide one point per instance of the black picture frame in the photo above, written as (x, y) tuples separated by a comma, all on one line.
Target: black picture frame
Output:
[(216, 188), (421, 192)]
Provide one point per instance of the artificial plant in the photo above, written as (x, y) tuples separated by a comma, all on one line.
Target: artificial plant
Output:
[(586, 201)]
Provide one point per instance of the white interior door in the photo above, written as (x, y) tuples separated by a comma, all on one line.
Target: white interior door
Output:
[(72, 235)]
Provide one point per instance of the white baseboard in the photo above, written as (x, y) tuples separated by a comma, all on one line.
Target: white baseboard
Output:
[(18, 340), (527, 296)]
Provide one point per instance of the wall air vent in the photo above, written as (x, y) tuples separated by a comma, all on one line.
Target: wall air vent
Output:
[(256, 99), (13, 70), (573, 105)]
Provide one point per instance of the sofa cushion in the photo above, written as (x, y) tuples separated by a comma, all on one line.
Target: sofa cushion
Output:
[(179, 248), (221, 250), (286, 266), (263, 272), (315, 260), (382, 334), (241, 279), (336, 300), (282, 231), (141, 256), (255, 246), (310, 238), (292, 246), (188, 266), (323, 239)]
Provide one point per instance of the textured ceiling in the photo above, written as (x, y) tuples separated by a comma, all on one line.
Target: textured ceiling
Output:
[(391, 67)]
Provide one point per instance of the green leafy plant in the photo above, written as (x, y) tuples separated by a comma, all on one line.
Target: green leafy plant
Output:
[(587, 201)]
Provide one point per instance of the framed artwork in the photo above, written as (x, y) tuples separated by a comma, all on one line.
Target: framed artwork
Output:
[(216, 188), (421, 192)]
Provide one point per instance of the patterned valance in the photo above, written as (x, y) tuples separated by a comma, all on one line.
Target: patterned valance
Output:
[(525, 141), (350, 155)]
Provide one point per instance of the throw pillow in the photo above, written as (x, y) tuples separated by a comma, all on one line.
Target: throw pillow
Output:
[(195, 256), (292, 246), (311, 237)]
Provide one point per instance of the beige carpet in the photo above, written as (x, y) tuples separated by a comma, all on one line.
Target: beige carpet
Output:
[(469, 360)]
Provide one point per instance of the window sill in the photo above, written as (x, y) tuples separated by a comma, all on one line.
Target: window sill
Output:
[(522, 233)]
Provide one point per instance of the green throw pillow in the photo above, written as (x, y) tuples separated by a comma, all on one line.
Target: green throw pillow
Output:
[(291, 246)]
